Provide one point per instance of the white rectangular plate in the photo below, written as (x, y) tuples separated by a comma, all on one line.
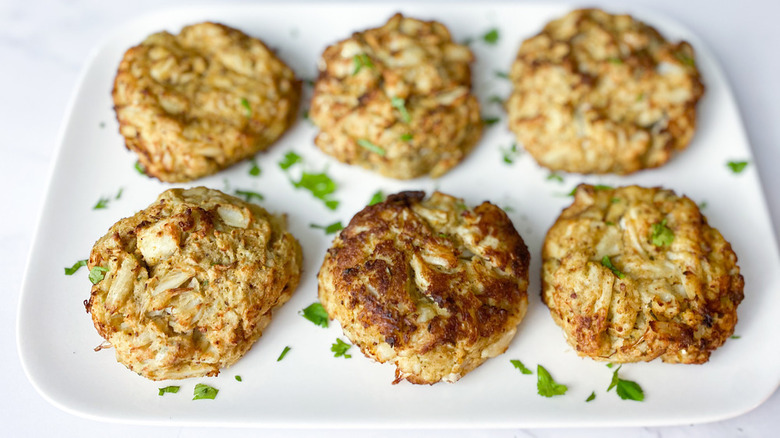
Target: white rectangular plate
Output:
[(311, 388)]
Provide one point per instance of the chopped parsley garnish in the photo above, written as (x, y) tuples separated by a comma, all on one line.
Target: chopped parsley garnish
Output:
[(545, 384), (168, 390), (399, 104), (247, 107), (491, 37), (289, 159), (660, 234), (501, 74), (239, 379), (284, 353), (340, 348), (490, 121), (316, 314), (377, 198), (737, 166), (371, 147), (591, 397), (140, 168), (97, 274), (610, 223), (702, 205), (602, 187), (555, 177), (360, 61), (640, 97), (320, 185), (119, 193), (519, 365), (608, 263), (249, 195), (735, 337), (496, 99), (255, 169), (610, 365), (685, 59), (203, 392), (76, 266), (510, 153), (305, 115), (615, 60), (329, 229), (102, 203), (614, 200), (626, 389), (406, 137)]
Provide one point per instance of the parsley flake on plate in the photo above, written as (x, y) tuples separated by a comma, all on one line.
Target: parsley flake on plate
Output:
[(660, 234), (101, 204), (491, 37), (591, 397), (249, 195), (340, 348), (284, 353), (320, 185), (546, 385), (510, 154), (289, 159), (97, 274), (737, 166), (377, 198), (605, 261), (255, 169), (554, 177), (519, 365), (501, 74), (371, 147), (329, 229), (168, 390), (140, 168), (239, 379), (316, 314), (204, 392), (407, 137), (490, 121), (76, 266), (626, 389)]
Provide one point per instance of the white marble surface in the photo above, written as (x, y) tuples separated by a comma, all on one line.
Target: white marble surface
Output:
[(44, 44)]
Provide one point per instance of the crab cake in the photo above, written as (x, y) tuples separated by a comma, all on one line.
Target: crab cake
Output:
[(601, 93), (191, 282), (633, 273), (427, 284), (397, 100), (195, 103)]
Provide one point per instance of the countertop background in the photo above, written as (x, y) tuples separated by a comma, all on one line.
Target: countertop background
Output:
[(44, 45)]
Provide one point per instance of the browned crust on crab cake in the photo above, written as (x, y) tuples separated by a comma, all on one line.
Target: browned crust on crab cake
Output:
[(405, 88), (192, 281), (195, 103), (678, 297), (601, 93), (429, 285)]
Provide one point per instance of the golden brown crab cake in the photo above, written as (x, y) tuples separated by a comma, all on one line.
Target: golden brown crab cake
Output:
[(427, 284), (601, 93), (191, 282), (397, 100), (195, 103), (634, 273)]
